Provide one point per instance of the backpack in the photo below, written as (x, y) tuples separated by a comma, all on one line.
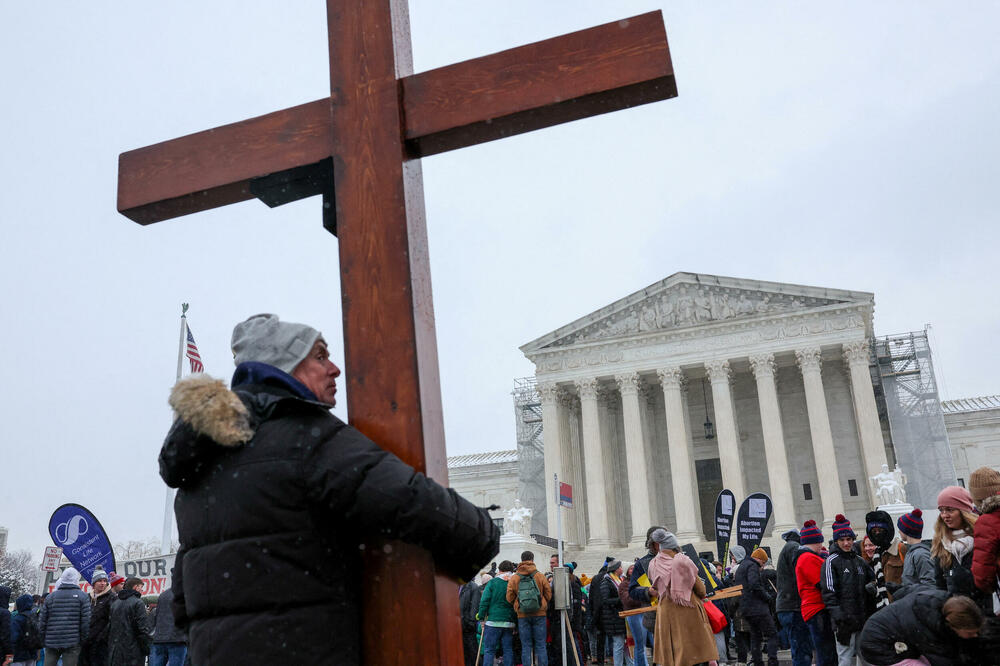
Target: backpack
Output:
[(31, 638), (529, 597)]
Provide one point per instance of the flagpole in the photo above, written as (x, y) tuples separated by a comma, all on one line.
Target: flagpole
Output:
[(168, 506)]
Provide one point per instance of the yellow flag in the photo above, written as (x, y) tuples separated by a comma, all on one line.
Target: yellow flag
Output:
[(643, 581)]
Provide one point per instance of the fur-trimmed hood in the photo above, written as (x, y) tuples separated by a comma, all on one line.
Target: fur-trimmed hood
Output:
[(211, 409), (989, 504)]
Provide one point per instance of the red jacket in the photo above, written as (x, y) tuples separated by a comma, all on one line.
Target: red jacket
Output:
[(807, 574), (986, 545)]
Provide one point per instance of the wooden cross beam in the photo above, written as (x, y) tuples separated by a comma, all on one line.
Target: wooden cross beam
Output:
[(360, 149)]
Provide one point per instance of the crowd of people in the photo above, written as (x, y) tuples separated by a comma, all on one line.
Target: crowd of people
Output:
[(885, 598), (110, 625)]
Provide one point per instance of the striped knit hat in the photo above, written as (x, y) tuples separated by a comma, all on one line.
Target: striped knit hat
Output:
[(810, 533), (842, 528), (911, 524)]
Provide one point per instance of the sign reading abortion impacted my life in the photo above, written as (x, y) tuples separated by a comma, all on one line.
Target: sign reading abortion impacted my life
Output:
[(752, 519), (82, 539), (725, 507)]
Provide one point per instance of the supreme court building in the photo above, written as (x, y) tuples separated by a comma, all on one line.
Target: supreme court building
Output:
[(653, 404)]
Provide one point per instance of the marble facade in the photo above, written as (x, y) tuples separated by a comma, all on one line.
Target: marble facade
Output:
[(781, 371)]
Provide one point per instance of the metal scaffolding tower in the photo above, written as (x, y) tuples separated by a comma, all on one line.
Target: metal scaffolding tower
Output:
[(908, 400), (530, 452)]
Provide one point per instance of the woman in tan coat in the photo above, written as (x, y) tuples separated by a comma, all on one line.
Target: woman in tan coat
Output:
[(683, 636)]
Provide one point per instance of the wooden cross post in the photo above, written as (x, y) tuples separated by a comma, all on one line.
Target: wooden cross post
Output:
[(360, 149)]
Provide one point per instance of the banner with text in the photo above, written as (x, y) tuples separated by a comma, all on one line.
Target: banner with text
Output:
[(154, 572), (752, 519), (82, 539), (725, 507)]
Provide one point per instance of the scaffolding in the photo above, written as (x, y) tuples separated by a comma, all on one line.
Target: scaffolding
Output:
[(907, 396), (530, 452)]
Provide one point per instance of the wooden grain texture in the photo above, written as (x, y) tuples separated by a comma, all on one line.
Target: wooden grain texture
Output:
[(390, 352), (213, 168), (582, 74)]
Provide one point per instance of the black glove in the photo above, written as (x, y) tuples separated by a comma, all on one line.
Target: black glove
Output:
[(842, 631)]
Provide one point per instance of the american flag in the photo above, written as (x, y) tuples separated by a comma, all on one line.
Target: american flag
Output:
[(193, 355)]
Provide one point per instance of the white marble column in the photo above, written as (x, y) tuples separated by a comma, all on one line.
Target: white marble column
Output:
[(774, 444), (636, 458), (683, 480), (830, 494), (725, 428), (552, 439), (865, 409), (594, 464)]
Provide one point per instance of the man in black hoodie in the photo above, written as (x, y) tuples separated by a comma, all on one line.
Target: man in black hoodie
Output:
[(274, 487)]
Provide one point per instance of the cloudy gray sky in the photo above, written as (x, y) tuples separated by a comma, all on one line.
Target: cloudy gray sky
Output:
[(850, 146)]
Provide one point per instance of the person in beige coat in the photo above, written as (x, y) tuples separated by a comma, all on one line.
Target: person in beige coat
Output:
[(683, 636)]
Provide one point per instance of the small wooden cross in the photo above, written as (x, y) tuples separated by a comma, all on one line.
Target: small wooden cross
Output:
[(360, 148)]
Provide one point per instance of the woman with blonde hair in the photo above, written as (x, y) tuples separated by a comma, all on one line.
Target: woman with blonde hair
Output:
[(951, 549), (683, 636)]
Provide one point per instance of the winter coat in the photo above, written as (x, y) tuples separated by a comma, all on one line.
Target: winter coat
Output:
[(529, 569), (468, 604), (754, 600), (918, 567), (636, 591), (628, 603), (957, 579), (909, 628), (611, 605), (130, 630), (6, 644), (986, 546), (164, 629), (808, 572), (788, 588), (275, 494), (95, 648), (17, 628), (682, 635), (65, 618), (493, 604), (842, 585)]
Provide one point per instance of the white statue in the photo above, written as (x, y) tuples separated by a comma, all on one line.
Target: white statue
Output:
[(517, 520), (888, 486)]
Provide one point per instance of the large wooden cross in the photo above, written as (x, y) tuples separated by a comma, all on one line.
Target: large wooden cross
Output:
[(360, 148)]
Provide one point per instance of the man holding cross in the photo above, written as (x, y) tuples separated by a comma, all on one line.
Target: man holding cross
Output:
[(277, 500)]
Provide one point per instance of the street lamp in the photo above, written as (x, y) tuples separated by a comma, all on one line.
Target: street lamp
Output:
[(709, 427)]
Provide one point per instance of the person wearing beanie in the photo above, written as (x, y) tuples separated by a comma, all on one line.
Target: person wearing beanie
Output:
[(918, 569), (95, 647), (65, 618), (808, 571), (788, 605), (952, 545), (613, 625), (755, 607), (270, 483), (984, 487), (117, 582), (642, 593), (844, 577), (24, 650)]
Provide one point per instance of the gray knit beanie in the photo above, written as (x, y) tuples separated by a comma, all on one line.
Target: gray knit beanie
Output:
[(738, 552), (665, 539), (264, 339)]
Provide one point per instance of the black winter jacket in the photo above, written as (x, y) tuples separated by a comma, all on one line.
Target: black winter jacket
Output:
[(636, 591), (275, 496), (95, 648), (912, 627), (754, 600), (842, 584), (6, 644), (958, 579), (130, 630), (164, 629), (611, 605), (468, 604), (788, 588), (65, 618), (18, 624)]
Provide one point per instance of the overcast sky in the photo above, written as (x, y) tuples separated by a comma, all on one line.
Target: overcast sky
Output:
[(851, 146)]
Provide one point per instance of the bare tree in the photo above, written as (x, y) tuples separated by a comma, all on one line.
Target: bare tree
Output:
[(18, 571)]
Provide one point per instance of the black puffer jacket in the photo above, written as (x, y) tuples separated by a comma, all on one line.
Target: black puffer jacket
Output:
[(611, 605), (842, 584), (958, 579), (788, 587), (130, 630), (6, 643), (913, 627), (65, 618), (270, 529), (95, 648), (754, 600)]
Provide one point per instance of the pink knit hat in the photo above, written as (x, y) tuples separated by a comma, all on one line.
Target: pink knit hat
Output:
[(956, 497)]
